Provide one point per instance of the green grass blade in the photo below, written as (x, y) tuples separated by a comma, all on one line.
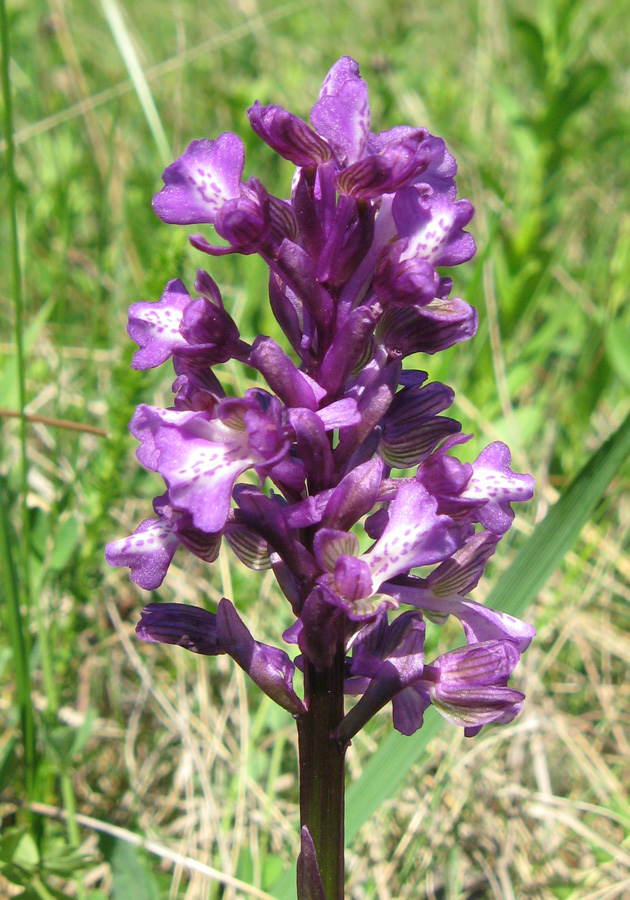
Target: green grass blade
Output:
[(544, 550), (16, 628), (136, 73), (385, 773), (16, 288)]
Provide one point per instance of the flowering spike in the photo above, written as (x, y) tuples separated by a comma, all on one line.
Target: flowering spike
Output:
[(353, 257)]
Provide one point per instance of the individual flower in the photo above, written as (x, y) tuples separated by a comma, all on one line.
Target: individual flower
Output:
[(200, 456), (149, 550), (198, 331), (481, 491), (468, 686), (222, 632), (414, 536)]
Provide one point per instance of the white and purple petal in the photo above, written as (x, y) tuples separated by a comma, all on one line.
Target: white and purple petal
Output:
[(432, 224), (155, 326), (414, 536), (198, 184), (200, 473), (148, 552), (494, 482)]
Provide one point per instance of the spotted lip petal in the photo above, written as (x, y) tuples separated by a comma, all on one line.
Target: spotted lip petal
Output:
[(432, 225), (155, 326), (414, 536), (148, 552), (204, 177), (200, 458), (498, 485)]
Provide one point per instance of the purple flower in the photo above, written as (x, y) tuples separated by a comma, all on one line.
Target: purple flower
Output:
[(149, 550), (224, 632), (469, 686), (198, 331), (353, 257), (202, 181), (387, 659), (481, 492)]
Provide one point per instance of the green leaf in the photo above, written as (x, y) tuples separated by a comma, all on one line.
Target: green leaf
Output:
[(26, 854), (8, 843), (9, 375), (65, 742), (7, 763), (64, 860), (533, 46), (386, 771), (66, 540), (129, 877), (616, 342)]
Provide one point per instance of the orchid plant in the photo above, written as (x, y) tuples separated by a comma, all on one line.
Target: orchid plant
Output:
[(349, 445)]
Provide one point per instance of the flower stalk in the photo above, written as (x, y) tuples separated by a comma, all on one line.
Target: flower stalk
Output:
[(322, 769), (362, 506)]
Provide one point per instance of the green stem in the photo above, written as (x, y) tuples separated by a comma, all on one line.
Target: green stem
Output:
[(322, 770), (21, 646), (16, 279), (74, 836)]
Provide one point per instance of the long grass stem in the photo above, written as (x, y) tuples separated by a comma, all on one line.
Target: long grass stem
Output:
[(16, 288), (20, 644)]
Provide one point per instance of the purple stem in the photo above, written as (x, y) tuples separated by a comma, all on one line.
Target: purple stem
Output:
[(322, 771)]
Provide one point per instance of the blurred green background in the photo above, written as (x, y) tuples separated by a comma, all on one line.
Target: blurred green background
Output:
[(534, 101)]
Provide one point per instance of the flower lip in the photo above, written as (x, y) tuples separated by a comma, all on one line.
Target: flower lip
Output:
[(204, 177)]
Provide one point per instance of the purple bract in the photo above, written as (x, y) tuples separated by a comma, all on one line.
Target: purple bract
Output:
[(350, 532)]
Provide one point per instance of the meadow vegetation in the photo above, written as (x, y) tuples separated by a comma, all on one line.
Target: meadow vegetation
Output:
[(151, 773)]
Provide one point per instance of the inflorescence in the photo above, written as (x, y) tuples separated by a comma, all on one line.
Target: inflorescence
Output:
[(353, 258)]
